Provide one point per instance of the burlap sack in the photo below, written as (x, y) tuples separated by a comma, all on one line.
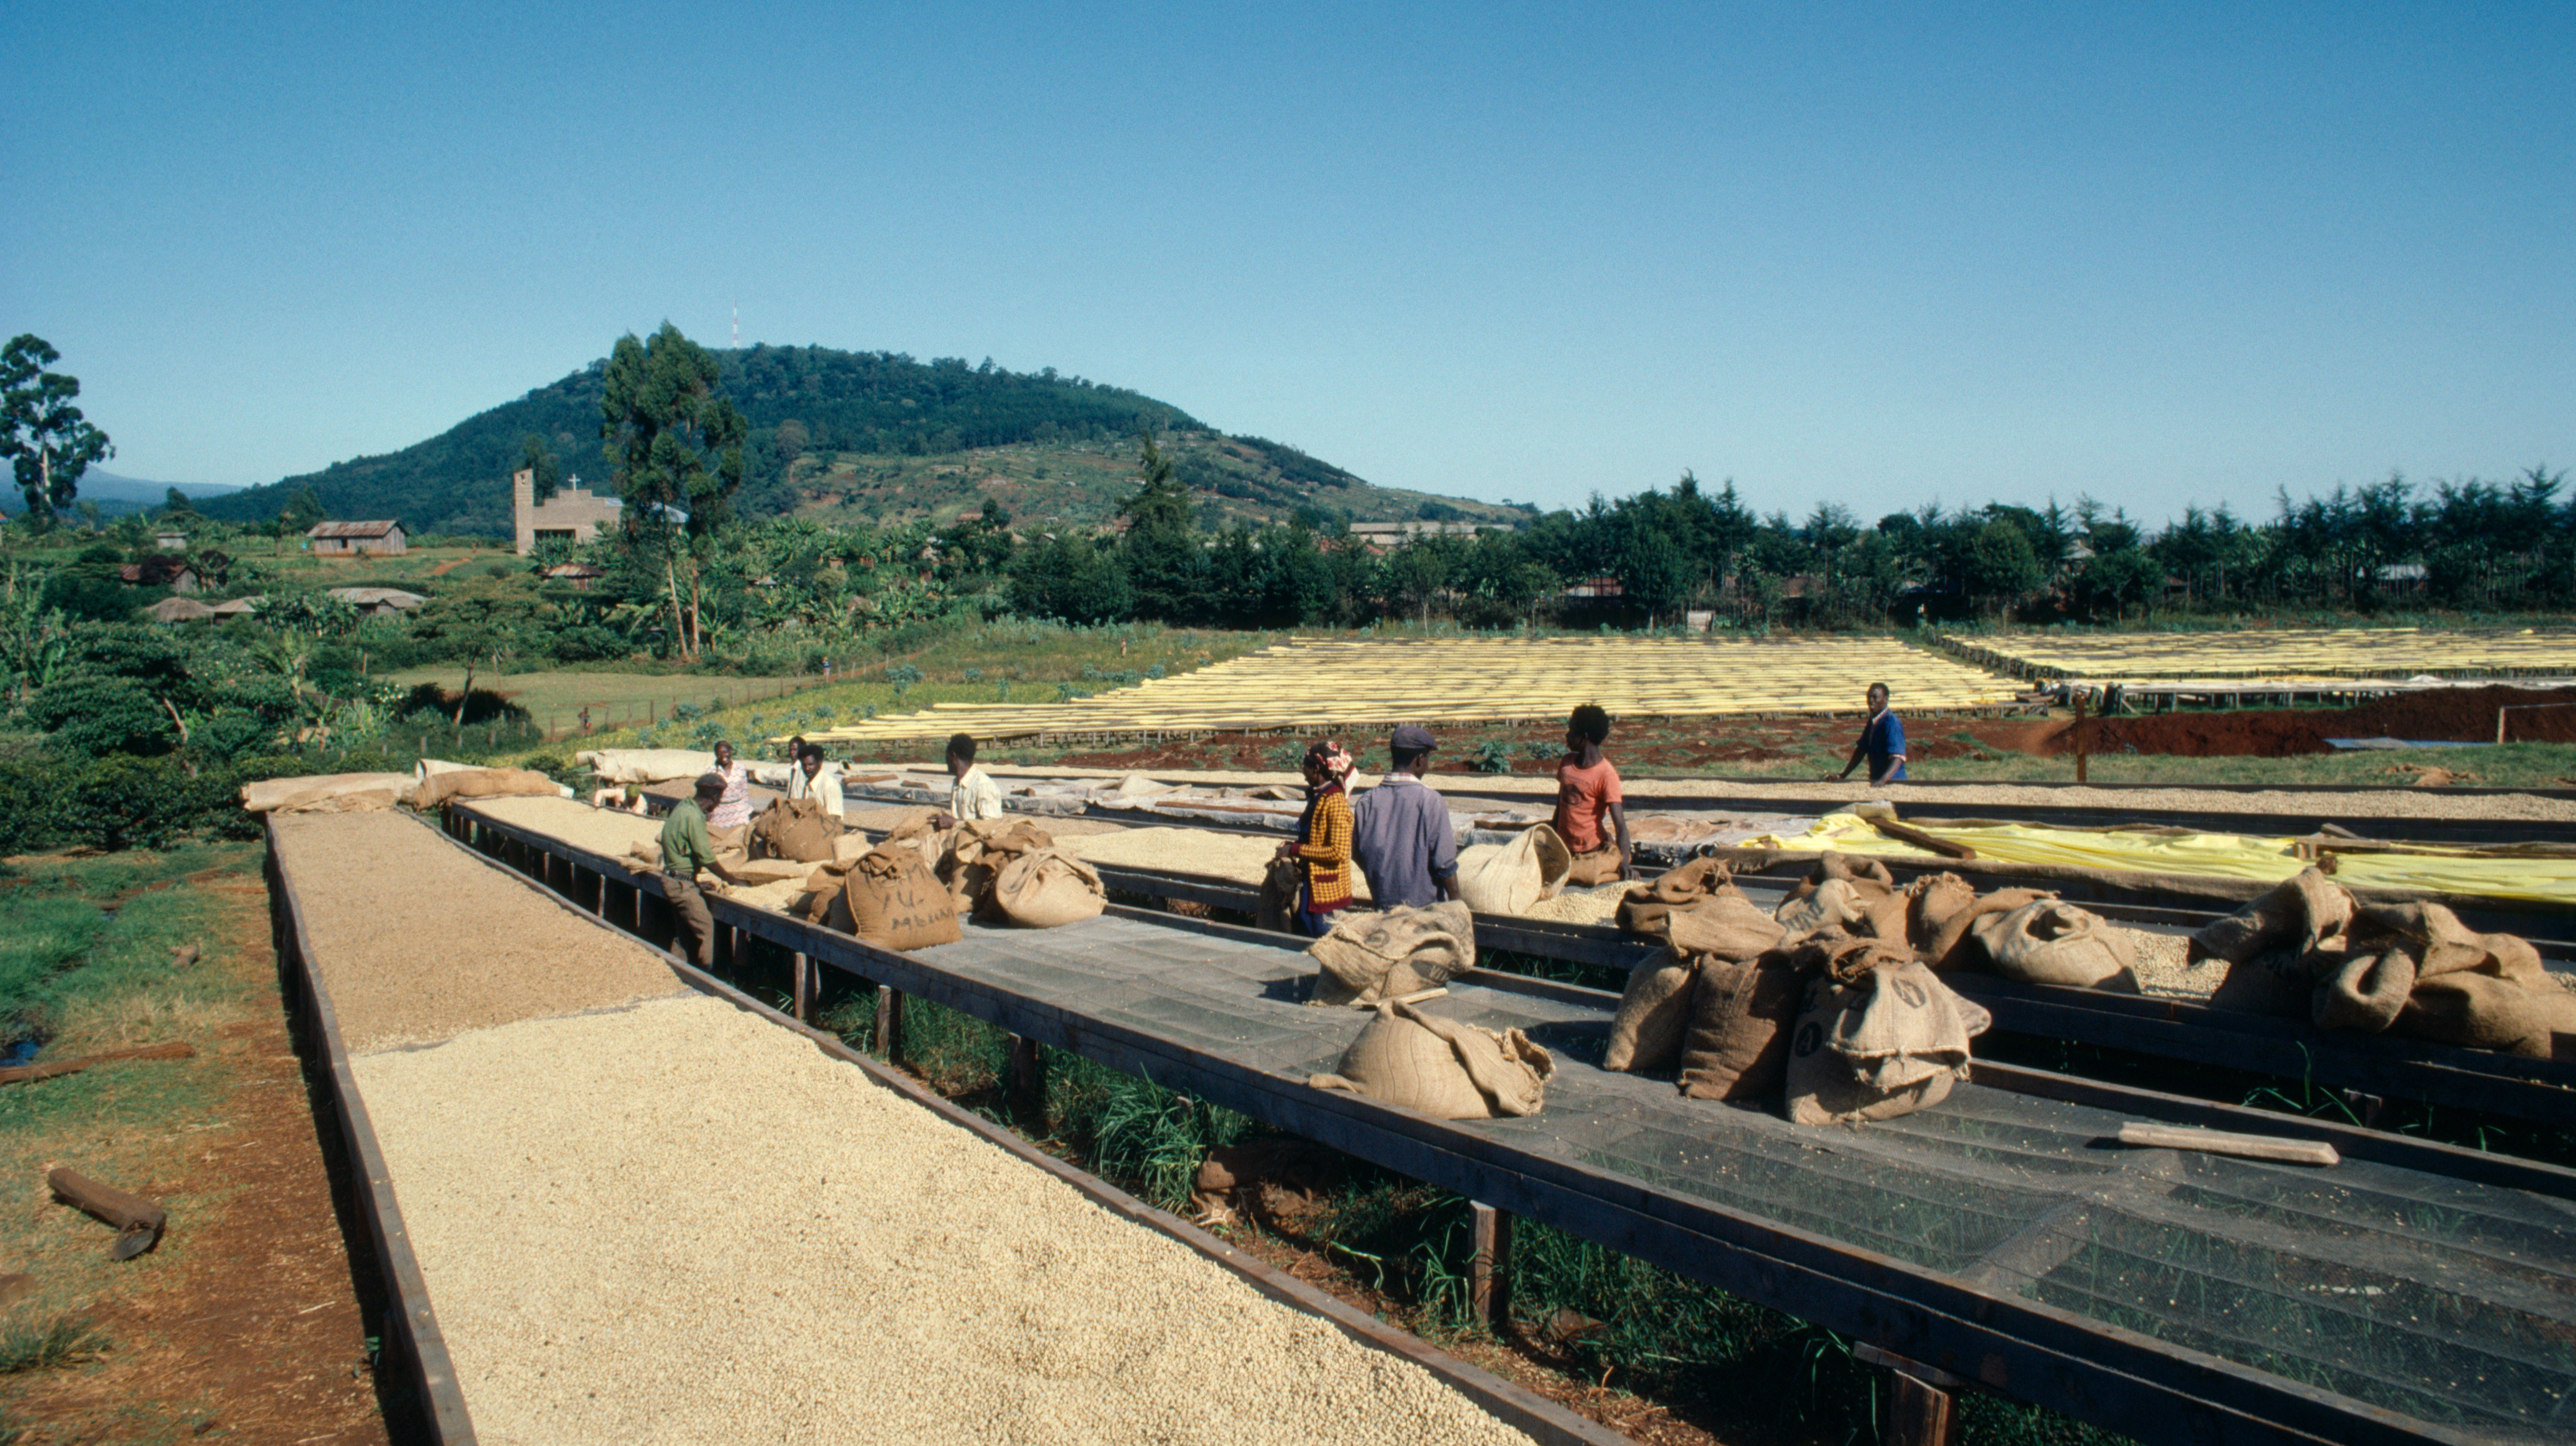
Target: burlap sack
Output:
[(755, 872), (1598, 867), (1931, 903), (1869, 878), (1277, 908), (2366, 994), (438, 788), (1447, 1070), (305, 793), (1843, 956), (2279, 982), (1654, 1014), (363, 800), (915, 833), (794, 828), (1043, 888), (976, 851), (2048, 942), (645, 765), (2292, 918), (1507, 878), (1831, 904), (1884, 1046), (1953, 942), (1741, 1015), (1645, 911), (895, 903), (2487, 1011), (647, 852), (823, 886), (1371, 956), (2441, 944), (1728, 926)]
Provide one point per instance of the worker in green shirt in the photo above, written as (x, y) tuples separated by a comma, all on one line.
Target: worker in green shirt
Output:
[(685, 850)]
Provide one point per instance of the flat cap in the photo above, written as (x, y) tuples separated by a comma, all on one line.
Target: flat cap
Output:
[(1410, 739)]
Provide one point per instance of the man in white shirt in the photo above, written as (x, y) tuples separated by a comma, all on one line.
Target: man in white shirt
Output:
[(812, 777), (975, 794)]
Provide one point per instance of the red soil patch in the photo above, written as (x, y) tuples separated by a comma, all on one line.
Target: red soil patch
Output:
[(2444, 715), (261, 1338)]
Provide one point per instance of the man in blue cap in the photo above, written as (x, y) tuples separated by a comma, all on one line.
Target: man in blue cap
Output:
[(1401, 834)]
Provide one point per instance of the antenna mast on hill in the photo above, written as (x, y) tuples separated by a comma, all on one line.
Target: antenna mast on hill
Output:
[(737, 323)]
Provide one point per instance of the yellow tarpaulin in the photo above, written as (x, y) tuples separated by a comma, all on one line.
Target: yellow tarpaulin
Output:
[(2207, 855)]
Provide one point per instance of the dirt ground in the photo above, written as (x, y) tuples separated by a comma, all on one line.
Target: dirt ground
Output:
[(2457, 715), (259, 1338)]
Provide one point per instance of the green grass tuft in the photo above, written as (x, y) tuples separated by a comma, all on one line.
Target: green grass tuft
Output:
[(37, 1345)]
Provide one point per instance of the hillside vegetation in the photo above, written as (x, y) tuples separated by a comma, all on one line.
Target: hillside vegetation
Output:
[(866, 437)]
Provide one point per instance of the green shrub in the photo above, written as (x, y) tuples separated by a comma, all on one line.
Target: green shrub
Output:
[(102, 715)]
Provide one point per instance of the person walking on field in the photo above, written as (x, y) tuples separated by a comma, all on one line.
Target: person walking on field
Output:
[(814, 778), (1882, 742), (1587, 791), (974, 795), (685, 850), (1400, 832), (1322, 848)]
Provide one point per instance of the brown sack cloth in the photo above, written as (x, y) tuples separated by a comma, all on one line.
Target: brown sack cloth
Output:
[(1729, 926), (1740, 1021), (1886, 1046), (2049, 942), (1507, 878), (2366, 994), (438, 788), (2277, 982), (1644, 911), (1601, 866), (1844, 957), (1447, 1070), (1953, 942), (1828, 905), (895, 903), (2441, 944), (977, 849), (1278, 906), (1869, 878), (915, 833), (794, 828), (363, 800), (1370, 956), (2291, 918), (277, 793), (1042, 889), (2484, 1011), (1654, 1012)]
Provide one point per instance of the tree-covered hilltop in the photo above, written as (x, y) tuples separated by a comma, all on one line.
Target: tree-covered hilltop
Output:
[(864, 437)]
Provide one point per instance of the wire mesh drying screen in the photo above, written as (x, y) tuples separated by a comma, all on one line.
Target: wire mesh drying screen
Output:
[(2450, 1302)]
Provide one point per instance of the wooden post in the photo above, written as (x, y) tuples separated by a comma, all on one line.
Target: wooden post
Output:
[(804, 989), (1919, 1398), (889, 1019), (1489, 1266), (1027, 1083), (2079, 737)]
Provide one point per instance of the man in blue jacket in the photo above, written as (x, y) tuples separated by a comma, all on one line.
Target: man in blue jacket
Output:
[(1882, 742), (1401, 836)]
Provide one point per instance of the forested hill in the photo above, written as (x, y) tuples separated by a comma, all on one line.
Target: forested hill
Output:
[(861, 436)]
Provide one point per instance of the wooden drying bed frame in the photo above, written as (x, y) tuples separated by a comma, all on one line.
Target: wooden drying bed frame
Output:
[(1936, 1327), (409, 1329)]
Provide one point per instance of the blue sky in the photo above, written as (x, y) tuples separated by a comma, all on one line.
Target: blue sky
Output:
[(1878, 254)]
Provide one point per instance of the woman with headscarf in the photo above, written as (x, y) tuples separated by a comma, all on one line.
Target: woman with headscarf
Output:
[(1323, 845), (733, 810)]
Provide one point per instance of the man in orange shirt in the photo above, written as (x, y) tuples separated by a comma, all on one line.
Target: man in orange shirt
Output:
[(1587, 788)]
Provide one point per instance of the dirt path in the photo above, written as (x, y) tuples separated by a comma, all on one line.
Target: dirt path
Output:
[(257, 1337)]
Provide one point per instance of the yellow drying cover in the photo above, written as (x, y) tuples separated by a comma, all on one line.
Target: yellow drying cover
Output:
[(2221, 855)]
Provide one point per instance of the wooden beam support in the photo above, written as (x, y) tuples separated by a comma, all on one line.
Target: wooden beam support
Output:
[(1921, 1398), (804, 988), (889, 1020), (1489, 1267)]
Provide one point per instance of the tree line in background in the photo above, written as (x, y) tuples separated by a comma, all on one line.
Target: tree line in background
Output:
[(89, 684)]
